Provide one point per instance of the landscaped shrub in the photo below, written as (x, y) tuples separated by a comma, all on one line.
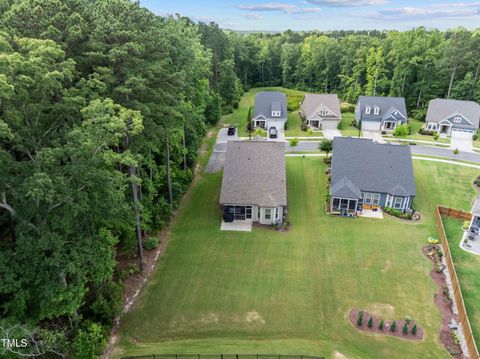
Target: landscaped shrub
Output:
[(150, 243), (436, 136), (425, 132), (380, 326), (475, 137), (393, 327), (396, 213), (304, 126), (360, 318), (370, 322), (414, 329), (466, 225), (347, 107), (405, 329)]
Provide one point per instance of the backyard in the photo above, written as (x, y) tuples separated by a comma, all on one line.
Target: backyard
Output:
[(290, 293), (467, 266)]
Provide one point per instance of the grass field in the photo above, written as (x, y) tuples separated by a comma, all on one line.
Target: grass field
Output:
[(467, 266), (290, 293)]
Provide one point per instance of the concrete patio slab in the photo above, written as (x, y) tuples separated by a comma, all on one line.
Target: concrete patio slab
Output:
[(329, 134), (239, 226), (368, 213)]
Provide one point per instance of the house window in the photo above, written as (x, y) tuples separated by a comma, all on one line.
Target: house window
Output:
[(276, 113), (268, 213), (336, 204), (248, 212), (376, 111), (368, 110), (376, 199), (368, 198), (324, 112), (276, 213), (398, 203), (457, 119)]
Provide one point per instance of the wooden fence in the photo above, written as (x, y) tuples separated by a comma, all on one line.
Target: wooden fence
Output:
[(457, 291)]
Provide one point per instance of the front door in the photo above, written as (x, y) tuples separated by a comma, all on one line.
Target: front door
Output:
[(261, 124), (444, 128)]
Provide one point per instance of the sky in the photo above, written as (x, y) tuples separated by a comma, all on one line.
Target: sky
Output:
[(298, 15)]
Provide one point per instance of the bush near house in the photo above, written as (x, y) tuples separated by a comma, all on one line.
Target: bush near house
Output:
[(396, 213)]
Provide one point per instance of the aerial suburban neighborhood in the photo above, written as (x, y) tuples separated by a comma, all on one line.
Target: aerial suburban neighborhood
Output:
[(239, 180)]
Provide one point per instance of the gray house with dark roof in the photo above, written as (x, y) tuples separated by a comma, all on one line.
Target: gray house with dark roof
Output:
[(270, 110), (321, 111), (370, 175), (454, 118), (378, 113), (254, 185)]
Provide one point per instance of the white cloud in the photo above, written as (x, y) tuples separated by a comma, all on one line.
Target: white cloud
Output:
[(348, 3), (281, 7), (252, 16), (452, 10)]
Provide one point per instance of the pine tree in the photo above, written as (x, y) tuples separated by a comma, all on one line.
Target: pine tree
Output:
[(380, 326), (360, 318), (370, 322), (393, 327), (414, 329), (405, 329)]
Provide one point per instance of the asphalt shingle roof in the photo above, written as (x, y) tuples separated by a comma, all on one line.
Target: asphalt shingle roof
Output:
[(386, 105), (441, 109), (370, 167), (312, 102), (254, 174), (267, 101)]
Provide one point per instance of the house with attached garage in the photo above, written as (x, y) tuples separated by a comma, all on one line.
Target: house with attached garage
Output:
[(321, 111), (453, 118), (378, 113), (270, 110), (254, 185), (367, 175)]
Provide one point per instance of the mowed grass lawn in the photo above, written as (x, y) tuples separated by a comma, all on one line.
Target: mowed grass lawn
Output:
[(467, 266), (290, 293)]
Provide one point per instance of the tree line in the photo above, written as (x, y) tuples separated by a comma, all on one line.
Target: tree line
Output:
[(103, 106)]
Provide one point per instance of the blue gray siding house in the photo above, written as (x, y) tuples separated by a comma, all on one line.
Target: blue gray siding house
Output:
[(378, 113), (270, 110), (370, 175)]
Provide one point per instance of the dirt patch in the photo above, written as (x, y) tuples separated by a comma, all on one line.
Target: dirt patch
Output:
[(338, 355), (254, 317), (353, 316), (443, 303)]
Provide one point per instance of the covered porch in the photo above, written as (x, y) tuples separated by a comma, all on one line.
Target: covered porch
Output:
[(344, 206), (389, 125)]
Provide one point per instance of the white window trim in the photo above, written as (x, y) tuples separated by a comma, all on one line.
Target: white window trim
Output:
[(457, 119), (376, 110), (397, 205), (269, 211), (368, 110), (376, 199)]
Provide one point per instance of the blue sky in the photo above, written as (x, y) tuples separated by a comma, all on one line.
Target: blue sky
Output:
[(279, 15)]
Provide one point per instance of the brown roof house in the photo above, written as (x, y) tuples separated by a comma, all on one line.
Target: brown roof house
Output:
[(254, 186)]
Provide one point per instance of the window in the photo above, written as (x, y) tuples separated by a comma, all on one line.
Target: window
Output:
[(336, 204), (276, 213), (324, 112), (368, 198), (368, 110), (276, 113), (268, 213), (376, 198), (457, 119), (376, 111), (398, 202), (248, 212)]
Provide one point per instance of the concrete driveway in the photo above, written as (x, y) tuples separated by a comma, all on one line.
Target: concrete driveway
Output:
[(329, 134), (374, 135), (223, 136), (217, 159), (463, 144)]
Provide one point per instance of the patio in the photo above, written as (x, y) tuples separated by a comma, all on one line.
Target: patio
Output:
[(368, 213), (238, 226)]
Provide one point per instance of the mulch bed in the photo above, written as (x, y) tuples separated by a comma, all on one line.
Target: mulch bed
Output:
[(443, 303), (353, 316)]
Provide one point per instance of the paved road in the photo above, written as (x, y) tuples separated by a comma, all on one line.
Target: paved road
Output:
[(309, 146)]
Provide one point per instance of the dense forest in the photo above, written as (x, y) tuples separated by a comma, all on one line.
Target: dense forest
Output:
[(103, 106)]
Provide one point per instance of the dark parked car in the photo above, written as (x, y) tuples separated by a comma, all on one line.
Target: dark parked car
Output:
[(231, 131), (272, 132)]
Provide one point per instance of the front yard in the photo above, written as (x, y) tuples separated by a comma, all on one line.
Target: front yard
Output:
[(290, 293)]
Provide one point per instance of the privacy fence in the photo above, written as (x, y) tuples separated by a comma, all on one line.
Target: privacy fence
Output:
[(222, 356), (457, 291)]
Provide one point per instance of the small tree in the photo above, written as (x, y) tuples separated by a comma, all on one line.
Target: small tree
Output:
[(326, 146), (401, 131), (414, 329), (293, 143), (360, 318), (380, 326), (370, 322), (455, 153), (393, 327), (405, 329)]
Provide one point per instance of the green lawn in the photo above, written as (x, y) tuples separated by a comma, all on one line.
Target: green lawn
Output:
[(467, 266), (346, 125), (290, 293)]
